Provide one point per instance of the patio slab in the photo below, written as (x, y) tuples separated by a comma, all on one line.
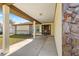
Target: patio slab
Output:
[(41, 46)]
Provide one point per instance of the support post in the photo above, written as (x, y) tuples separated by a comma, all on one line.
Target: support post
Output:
[(34, 29), (40, 29), (5, 45)]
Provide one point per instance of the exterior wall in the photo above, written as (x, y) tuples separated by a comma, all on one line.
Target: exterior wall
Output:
[(24, 29)]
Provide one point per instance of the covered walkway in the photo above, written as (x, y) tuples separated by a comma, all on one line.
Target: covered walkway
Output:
[(41, 46)]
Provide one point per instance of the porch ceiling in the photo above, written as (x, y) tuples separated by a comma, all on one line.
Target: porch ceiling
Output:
[(43, 12)]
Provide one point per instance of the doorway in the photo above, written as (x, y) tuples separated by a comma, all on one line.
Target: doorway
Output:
[(46, 29)]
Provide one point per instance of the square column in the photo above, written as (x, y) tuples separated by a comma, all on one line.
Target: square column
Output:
[(34, 23), (5, 46), (40, 28)]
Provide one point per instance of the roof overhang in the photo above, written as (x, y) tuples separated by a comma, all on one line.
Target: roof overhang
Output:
[(19, 12)]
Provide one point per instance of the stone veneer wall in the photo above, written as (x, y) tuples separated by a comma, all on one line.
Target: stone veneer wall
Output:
[(71, 30)]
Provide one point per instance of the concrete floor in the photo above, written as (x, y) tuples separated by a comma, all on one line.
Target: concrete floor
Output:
[(41, 46)]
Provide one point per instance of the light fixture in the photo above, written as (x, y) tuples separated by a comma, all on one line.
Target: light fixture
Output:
[(41, 14)]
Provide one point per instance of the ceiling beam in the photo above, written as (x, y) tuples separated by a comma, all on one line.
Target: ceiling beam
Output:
[(19, 12)]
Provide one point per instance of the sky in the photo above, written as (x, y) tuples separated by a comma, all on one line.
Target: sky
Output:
[(13, 17)]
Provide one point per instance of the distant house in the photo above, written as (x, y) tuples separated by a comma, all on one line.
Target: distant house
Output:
[(23, 28), (12, 28)]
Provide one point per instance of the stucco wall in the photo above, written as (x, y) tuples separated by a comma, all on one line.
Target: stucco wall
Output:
[(58, 28)]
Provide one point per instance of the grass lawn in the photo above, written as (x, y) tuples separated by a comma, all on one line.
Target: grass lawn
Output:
[(16, 38)]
